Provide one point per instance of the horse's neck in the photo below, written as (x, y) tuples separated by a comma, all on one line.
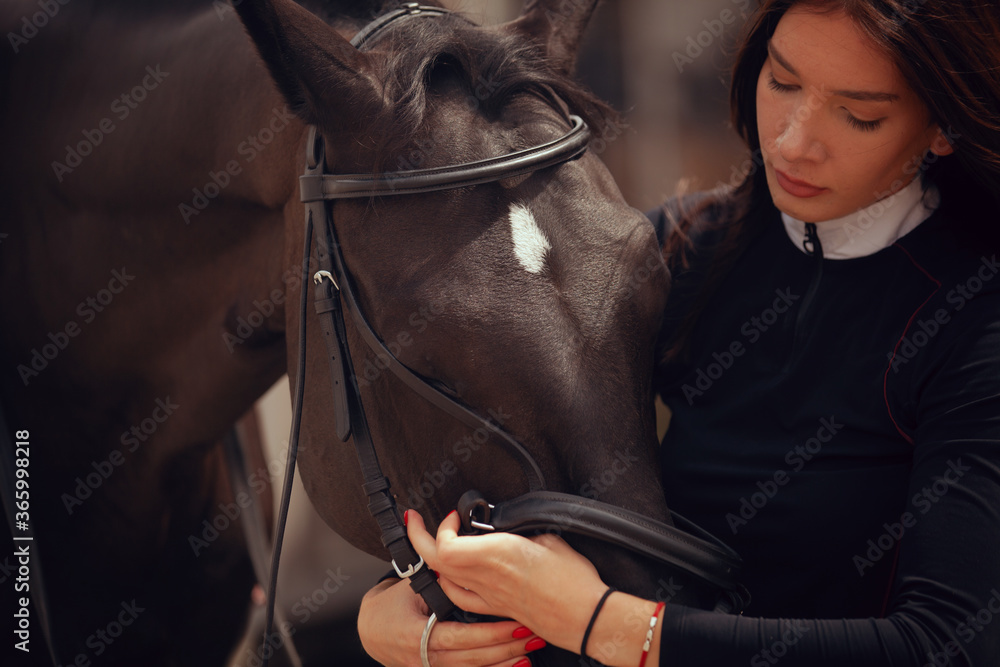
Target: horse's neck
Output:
[(162, 155)]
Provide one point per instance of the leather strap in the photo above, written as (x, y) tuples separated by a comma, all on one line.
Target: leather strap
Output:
[(369, 32), (348, 408), (686, 546), (419, 181)]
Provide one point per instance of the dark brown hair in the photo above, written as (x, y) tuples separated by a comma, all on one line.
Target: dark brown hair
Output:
[(948, 52)]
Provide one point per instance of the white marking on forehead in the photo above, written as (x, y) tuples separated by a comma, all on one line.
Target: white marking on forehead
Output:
[(530, 243)]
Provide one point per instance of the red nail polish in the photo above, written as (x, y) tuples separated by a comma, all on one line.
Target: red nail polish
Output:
[(406, 518), (522, 633), (535, 644), (450, 513), (523, 663)]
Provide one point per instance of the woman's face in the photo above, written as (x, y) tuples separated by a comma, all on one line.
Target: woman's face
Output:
[(839, 126)]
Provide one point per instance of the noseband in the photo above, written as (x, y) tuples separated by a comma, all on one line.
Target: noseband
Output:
[(692, 550)]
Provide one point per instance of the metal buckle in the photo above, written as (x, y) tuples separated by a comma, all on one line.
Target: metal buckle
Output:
[(478, 525), (412, 570), (320, 275), (412, 7)]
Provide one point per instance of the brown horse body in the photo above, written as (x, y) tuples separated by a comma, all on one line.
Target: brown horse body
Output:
[(99, 263), (153, 236)]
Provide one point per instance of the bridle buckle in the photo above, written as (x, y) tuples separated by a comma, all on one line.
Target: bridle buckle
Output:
[(475, 512), (321, 275), (412, 570)]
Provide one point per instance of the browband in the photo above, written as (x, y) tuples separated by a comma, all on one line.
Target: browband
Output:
[(321, 187)]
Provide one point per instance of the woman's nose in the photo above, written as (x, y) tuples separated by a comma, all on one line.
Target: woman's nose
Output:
[(799, 139)]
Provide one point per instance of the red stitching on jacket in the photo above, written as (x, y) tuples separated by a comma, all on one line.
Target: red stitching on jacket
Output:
[(895, 351)]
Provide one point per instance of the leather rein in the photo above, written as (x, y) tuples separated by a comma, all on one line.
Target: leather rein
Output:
[(693, 550)]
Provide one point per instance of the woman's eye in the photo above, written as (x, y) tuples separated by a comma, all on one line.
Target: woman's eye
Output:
[(777, 86), (863, 125)]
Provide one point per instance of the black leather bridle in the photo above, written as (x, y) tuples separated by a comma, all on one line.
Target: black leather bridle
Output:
[(692, 550)]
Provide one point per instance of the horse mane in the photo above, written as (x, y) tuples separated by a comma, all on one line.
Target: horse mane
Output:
[(500, 64)]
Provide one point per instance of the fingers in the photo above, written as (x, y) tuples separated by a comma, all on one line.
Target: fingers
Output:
[(504, 644), (422, 541), (448, 530), (466, 599), (509, 654)]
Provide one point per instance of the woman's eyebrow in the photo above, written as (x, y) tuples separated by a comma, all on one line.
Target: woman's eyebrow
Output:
[(859, 95)]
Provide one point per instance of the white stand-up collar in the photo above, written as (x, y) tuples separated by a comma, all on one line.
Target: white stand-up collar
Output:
[(871, 229)]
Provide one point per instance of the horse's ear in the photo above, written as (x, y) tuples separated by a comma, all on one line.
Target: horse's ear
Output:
[(558, 26), (323, 78)]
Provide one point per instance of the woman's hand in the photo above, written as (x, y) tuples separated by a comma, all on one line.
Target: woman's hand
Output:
[(541, 582), (393, 618)]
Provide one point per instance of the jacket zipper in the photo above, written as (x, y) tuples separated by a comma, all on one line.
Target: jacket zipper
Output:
[(814, 248)]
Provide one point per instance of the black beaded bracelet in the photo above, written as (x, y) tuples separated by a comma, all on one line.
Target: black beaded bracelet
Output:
[(593, 619)]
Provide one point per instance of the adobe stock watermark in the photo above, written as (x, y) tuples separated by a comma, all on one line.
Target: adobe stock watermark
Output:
[(923, 502), (968, 630), (419, 321), (463, 450), (130, 440), (122, 107), (636, 620), (920, 334), (739, 173), (102, 638), (256, 318), (715, 29), (31, 25), (793, 632), (246, 326), (803, 113), (88, 310), (598, 485), (307, 605), (650, 267), (913, 168), (229, 513), (796, 458), (752, 330), (249, 149), (303, 609)]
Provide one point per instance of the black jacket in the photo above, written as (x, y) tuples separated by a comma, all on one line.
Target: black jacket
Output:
[(837, 422)]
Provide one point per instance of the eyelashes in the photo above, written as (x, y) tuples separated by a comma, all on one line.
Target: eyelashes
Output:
[(774, 85), (863, 125), (856, 123)]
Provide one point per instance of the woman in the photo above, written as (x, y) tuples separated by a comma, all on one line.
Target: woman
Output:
[(850, 448)]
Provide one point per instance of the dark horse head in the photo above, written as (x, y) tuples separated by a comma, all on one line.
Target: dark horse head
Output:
[(534, 300)]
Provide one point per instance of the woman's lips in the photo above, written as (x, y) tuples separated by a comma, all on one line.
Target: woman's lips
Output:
[(797, 188)]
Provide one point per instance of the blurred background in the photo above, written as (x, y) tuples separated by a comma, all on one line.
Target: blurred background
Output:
[(665, 65)]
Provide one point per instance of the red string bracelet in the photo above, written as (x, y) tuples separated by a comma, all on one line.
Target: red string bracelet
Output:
[(649, 634)]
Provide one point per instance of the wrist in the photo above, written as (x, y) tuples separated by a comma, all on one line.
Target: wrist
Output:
[(380, 587), (618, 635)]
